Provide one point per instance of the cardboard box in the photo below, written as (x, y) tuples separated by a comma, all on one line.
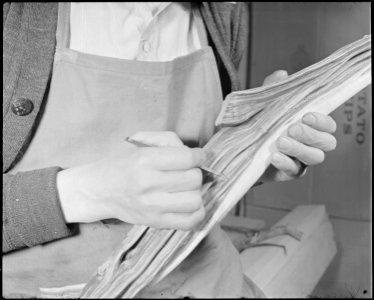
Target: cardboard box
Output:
[(291, 36)]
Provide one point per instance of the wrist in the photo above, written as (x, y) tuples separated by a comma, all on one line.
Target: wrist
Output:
[(69, 196), (81, 197)]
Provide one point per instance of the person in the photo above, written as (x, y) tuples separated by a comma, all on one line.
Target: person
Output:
[(80, 77)]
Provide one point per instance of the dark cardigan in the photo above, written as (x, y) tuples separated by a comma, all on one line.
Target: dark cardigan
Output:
[(31, 210)]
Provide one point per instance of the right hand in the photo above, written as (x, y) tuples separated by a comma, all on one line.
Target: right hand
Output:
[(154, 186)]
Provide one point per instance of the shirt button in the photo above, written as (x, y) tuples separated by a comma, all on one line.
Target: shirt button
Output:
[(22, 107), (146, 46)]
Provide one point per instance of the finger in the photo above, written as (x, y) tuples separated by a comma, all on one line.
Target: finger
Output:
[(179, 181), (312, 137), (184, 221), (320, 122), (172, 158), (158, 138), (276, 76), (285, 164), (183, 202), (306, 154)]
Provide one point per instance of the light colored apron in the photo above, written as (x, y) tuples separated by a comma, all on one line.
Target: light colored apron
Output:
[(95, 102)]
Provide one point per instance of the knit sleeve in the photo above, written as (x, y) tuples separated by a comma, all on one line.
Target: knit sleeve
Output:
[(32, 214), (6, 6)]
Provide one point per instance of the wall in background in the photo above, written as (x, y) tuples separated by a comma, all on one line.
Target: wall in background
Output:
[(291, 36)]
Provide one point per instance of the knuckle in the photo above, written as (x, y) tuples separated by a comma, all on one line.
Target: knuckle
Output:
[(321, 118), (295, 150), (296, 129), (306, 135)]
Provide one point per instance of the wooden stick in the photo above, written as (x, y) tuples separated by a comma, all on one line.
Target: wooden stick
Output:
[(242, 152)]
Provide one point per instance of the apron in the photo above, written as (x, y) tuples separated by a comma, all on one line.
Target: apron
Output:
[(94, 102)]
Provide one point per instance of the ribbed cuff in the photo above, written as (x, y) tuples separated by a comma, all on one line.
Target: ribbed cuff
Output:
[(33, 211)]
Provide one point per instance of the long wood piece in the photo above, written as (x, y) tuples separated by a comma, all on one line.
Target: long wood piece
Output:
[(250, 123)]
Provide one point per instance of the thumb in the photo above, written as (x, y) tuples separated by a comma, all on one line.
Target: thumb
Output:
[(276, 76)]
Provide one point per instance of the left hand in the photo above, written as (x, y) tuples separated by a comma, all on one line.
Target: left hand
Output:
[(305, 144)]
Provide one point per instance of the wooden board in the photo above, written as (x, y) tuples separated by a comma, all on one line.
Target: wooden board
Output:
[(296, 273)]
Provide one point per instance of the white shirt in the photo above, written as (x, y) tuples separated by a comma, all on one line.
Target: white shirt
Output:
[(147, 31)]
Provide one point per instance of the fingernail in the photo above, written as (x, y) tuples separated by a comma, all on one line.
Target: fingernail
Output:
[(276, 158), (280, 73), (284, 143), (295, 131), (309, 119)]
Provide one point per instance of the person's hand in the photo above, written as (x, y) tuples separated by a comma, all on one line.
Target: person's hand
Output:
[(154, 186), (305, 144)]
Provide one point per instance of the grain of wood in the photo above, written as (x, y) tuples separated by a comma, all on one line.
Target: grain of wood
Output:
[(250, 123)]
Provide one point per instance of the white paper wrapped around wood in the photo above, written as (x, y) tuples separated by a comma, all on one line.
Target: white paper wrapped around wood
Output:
[(251, 121)]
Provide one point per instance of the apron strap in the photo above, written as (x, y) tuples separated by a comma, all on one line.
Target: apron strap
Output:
[(201, 30), (63, 25)]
